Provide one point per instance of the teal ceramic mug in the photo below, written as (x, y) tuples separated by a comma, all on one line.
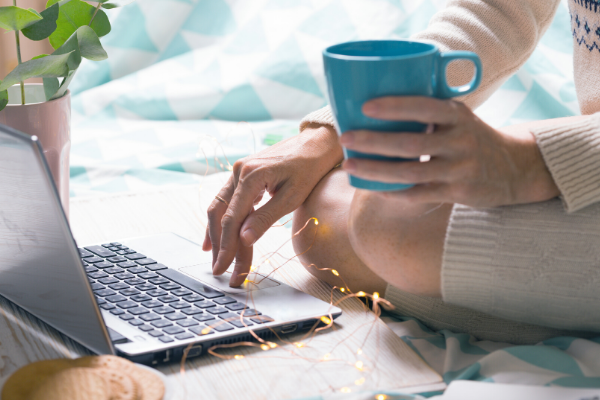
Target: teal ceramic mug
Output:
[(360, 71)]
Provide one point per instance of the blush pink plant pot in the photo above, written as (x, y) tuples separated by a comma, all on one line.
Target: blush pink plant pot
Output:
[(50, 121)]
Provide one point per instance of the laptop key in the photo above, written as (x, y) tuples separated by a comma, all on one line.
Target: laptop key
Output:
[(135, 281), (130, 251), (163, 310), (121, 252), (98, 275), (173, 330), (147, 288), (166, 339), (117, 311), (130, 292), (159, 281), (220, 326), (262, 319), (155, 333), (156, 292), (100, 251), (147, 275), (107, 306), (141, 297), (121, 247), (192, 311), (187, 323), (175, 316), (205, 304), (161, 323), (116, 259), (118, 286), (156, 267), (105, 292), (217, 310), (230, 316), (145, 328), (124, 276), (128, 304), (109, 280), (137, 270), (200, 330), (113, 248), (107, 245), (193, 297), (190, 283), (249, 312), (135, 256), (114, 270), (145, 261), (115, 244), (168, 298), (152, 304), (150, 317), (93, 260), (90, 268), (138, 311), (127, 264), (126, 317), (203, 317), (84, 253), (178, 305), (135, 322), (169, 286), (97, 286), (183, 336), (235, 306), (181, 292), (224, 300), (100, 301)]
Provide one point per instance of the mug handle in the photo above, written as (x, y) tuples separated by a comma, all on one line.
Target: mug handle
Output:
[(446, 91)]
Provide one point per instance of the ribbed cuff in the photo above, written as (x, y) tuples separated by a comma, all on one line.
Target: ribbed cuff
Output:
[(323, 116), (572, 154)]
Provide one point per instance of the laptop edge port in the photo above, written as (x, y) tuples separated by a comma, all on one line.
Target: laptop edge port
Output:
[(288, 328)]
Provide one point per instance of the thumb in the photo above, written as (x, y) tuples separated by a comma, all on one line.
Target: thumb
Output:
[(259, 221)]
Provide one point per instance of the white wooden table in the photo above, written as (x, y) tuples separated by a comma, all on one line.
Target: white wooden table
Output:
[(285, 372)]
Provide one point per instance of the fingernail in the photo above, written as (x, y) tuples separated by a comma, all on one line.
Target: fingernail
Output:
[(371, 108), (347, 139), (349, 165), (249, 236)]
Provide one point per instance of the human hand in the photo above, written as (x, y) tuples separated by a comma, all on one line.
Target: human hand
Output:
[(288, 171), (470, 162)]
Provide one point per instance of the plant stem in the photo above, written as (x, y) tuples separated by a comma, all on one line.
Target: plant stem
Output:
[(19, 59), (93, 16)]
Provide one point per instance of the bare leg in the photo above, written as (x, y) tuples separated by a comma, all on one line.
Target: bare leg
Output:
[(330, 202)]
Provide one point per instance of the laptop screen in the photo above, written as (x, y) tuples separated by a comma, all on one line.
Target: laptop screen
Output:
[(40, 268)]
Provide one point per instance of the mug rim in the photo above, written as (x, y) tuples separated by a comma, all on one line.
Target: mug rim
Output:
[(328, 51)]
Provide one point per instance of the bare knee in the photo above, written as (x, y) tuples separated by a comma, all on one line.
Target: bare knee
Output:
[(401, 243)]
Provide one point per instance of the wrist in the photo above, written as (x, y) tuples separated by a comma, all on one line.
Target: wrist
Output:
[(323, 140)]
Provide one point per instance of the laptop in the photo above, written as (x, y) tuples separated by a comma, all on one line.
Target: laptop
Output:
[(146, 299)]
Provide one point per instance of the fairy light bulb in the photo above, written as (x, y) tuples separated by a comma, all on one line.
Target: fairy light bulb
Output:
[(381, 397), (359, 351), (205, 331), (272, 345), (342, 289), (299, 344), (238, 356), (375, 295), (326, 319), (333, 271), (361, 294), (360, 381), (265, 347), (345, 390), (326, 356), (316, 221), (359, 365)]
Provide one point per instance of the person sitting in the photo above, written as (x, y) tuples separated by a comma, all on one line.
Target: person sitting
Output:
[(500, 236)]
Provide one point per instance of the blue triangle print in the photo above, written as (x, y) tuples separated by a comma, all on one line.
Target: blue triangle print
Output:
[(514, 83), (539, 104), (283, 4), (177, 47), (152, 105), (92, 74), (396, 3), (538, 63), (211, 18), (555, 37), (331, 24), (417, 21), (288, 67), (250, 39), (241, 104), (129, 30)]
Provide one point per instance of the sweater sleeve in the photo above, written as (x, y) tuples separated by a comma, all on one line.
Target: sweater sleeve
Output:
[(503, 33), (572, 154)]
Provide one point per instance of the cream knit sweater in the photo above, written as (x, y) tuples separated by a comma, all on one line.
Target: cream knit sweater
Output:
[(521, 273)]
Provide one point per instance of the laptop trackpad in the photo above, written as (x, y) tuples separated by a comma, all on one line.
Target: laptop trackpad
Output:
[(203, 273)]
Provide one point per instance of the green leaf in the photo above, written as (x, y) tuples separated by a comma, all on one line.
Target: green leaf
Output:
[(44, 28), (14, 18), (40, 56), (51, 86), (115, 3), (47, 67), (3, 98), (74, 14), (64, 86), (82, 43)]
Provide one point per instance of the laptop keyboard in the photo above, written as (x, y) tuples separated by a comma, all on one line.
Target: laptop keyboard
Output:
[(162, 302)]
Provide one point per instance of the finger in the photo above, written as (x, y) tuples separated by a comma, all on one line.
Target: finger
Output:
[(215, 215), (421, 109), (396, 144), (239, 208), (399, 171), (243, 262), (263, 218), (259, 197), (420, 194), (207, 245)]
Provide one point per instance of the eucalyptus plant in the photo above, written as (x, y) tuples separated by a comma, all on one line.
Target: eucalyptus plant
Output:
[(74, 29)]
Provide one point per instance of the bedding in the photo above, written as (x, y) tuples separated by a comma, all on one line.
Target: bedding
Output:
[(190, 86)]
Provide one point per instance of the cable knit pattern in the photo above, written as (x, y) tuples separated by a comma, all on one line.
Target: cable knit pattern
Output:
[(323, 116), (572, 154)]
